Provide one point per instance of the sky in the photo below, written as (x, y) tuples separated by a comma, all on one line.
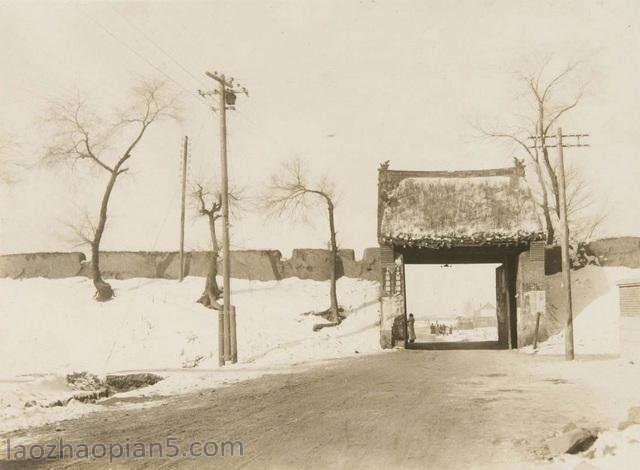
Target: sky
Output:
[(342, 85)]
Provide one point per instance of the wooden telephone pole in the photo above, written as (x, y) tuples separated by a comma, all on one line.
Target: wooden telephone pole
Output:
[(564, 238), (227, 341), (185, 157)]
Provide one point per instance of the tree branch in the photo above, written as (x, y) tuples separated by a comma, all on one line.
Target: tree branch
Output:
[(561, 111), (554, 81)]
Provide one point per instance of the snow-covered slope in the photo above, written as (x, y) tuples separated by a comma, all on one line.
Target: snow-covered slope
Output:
[(52, 327), (597, 321)]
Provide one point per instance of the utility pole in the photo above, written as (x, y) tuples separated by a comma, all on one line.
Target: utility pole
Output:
[(566, 263), (564, 239), (226, 92), (184, 195)]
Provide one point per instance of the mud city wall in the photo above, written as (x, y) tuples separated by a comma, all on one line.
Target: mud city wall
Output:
[(534, 273), (261, 265), (269, 265)]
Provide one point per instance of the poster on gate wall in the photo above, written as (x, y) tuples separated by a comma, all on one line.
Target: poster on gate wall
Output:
[(535, 301)]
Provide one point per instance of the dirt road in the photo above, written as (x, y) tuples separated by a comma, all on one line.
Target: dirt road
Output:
[(404, 409)]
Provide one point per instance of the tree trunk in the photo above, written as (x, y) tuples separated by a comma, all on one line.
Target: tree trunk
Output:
[(547, 162), (551, 233), (212, 291), (539, 172), (545, 206), (335, 314), (554, 180), (104, 291)]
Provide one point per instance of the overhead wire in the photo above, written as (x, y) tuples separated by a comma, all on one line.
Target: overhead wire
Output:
[(242, 115), (140, 55), (161, 49), (253, 127), (47, 71)]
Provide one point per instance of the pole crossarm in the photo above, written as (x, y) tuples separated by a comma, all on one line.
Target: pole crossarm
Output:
[(564, 136), (555, 146), (577, 143), (230, 88), (228, 83)]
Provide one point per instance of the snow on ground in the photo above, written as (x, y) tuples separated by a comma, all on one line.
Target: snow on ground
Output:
[(49, 328), (597, 322), (599, 330), (613, 450), (482, 333)]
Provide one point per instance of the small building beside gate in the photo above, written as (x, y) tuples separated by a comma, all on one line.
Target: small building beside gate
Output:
[(477, 216), (629, 297)]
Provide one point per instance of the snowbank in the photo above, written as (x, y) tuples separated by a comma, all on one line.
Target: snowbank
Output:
[(597, 321), (613, 450), (49, 328)]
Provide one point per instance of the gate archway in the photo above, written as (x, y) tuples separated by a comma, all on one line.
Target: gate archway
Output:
[(438, 217)]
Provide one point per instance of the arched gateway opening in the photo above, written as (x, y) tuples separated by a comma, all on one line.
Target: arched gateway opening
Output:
[(453, 305), (478, 217)]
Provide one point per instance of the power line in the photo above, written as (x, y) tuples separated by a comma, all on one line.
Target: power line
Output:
[(138, 54), (257, 131), (171, 57), (187, 71), (63, 83)]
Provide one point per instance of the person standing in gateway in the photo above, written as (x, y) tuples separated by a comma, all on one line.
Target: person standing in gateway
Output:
[(411, 330)]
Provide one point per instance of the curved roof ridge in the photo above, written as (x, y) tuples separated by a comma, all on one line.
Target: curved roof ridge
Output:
[(507, 171)]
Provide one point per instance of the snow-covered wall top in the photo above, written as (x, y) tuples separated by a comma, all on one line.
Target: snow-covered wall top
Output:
[(458, 208)]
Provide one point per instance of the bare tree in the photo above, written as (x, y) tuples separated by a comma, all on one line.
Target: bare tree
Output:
[(290, 193), (79, 135), (586, 211), (210, 205), (550, 98)]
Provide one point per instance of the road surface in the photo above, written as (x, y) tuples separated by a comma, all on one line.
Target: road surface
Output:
[(402, 409)]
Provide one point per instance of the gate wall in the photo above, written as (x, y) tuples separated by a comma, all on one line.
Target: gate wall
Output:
[(530, 280), (502, 310), (392, 297)]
